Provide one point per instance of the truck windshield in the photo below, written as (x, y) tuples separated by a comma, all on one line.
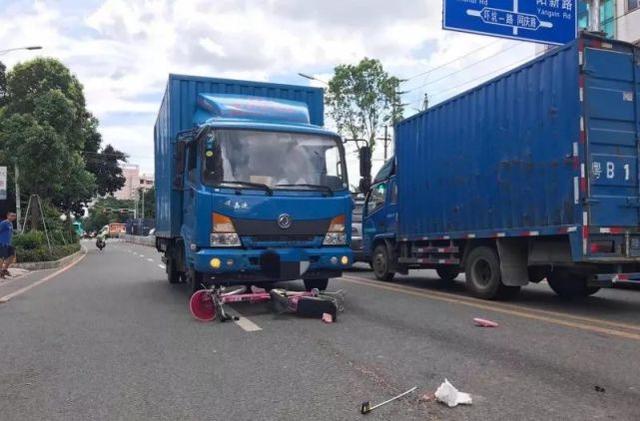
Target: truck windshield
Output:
[(276, 160)]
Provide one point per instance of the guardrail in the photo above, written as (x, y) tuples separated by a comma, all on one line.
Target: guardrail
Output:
[(149, 240)]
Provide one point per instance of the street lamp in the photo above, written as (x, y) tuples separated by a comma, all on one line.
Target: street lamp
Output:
[(32, 47), (306, 76), (15, 176)]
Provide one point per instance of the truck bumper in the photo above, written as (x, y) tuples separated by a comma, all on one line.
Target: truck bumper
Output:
[(609, 280), (272, 264)]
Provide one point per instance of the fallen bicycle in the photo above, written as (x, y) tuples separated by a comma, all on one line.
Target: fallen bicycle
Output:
[(209, 304)]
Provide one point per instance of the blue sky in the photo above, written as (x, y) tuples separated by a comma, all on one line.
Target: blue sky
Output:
[(123, 50)]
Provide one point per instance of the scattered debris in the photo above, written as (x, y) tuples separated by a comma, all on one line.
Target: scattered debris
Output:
[(599, 389), (428, 397), (327, 318), (450, 396), (484, 323), (366, 406)]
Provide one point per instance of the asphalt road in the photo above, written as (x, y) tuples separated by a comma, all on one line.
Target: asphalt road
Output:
[(110, 339)]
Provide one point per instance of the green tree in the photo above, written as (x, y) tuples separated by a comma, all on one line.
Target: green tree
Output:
[(3, 82), (46, 129), (105, 163), (362, 98)]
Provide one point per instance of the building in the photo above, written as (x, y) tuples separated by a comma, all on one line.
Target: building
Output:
[(134, 181), (619, 19)]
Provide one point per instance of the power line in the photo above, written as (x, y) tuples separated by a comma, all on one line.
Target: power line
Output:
[(448, 63), (509, 66), (464, 68)]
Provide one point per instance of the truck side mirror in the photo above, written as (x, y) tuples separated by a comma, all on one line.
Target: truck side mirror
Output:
[(178, 180), (365, 169), (365, 184), (365, 161)]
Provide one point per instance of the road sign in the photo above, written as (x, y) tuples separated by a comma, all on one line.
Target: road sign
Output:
[(544, 21), (3, 183)]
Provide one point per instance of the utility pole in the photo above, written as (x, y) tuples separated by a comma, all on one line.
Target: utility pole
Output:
[(594, 15), (386, 141), (142, 190)]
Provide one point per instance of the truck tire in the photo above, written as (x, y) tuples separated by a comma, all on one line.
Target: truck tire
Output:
[(447, 274), (483, 277), (320, 284), (569, 286), (173, 276), (380, 263), (195, 280)]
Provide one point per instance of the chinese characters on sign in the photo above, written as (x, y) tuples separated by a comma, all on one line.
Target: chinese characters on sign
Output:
[(545, 21)]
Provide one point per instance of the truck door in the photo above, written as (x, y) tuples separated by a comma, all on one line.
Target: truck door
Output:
[(190, 186), (375, 219), (612, 118)]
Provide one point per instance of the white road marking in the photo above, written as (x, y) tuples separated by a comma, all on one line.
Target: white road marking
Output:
[(8, 297), (141, 255), (247, 325), (244, 323), (162, 266), (149, 259)]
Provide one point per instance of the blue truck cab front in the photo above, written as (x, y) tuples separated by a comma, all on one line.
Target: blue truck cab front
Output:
[(250, 187)]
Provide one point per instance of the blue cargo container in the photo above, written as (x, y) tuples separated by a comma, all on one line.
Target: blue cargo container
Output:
[(249, 186), (530, 175)]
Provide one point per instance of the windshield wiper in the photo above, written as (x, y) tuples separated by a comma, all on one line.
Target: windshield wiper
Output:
[(311, 186), (248, 184)]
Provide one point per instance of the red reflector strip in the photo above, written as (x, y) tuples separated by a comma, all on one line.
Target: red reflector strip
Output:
[(583, 185), (623, 277)]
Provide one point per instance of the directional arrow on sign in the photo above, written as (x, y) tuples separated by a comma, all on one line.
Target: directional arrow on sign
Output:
[(509, 18)]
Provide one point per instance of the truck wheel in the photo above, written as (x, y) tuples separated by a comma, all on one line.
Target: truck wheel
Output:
[(447, 274), (482, 271), (173, 276), (320, 284), (380, 263), (568, 285), (195, 280)]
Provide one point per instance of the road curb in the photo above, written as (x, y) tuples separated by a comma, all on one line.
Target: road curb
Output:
[(71, 261), (54, 264)]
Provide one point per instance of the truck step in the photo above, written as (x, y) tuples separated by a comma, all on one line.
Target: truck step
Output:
[(428, 261), (435, 250)]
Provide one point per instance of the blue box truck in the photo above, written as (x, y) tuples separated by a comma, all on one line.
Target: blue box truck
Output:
[(531, 175), (249, 187)]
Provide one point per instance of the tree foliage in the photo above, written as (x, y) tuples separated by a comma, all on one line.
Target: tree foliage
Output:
[(362, 98), (47, 131)]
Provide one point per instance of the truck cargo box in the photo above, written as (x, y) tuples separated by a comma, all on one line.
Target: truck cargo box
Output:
[(176, 115), (549, 147)]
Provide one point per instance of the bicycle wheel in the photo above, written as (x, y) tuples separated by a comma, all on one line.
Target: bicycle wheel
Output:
[(202, 306)]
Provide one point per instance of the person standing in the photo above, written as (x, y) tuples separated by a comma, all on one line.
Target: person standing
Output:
[(7, 252)]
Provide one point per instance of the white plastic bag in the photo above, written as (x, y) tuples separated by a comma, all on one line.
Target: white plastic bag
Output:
[(451, 396)]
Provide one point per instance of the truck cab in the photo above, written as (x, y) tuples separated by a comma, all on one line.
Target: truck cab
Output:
[(380, 219), (261, 196)]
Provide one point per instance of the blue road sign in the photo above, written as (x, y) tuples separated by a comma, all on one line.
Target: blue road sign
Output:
[(545, 21)]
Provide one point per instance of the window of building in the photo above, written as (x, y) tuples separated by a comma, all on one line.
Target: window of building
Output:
[(633, 5), (607, 16)]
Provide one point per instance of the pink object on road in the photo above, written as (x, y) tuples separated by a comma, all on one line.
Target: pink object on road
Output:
[(327, 318), (484, 323)]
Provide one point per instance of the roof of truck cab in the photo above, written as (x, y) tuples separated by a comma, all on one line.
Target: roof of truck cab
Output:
[(272, 127)]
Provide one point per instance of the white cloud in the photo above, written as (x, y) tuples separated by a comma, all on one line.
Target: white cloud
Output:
[(122, 51)]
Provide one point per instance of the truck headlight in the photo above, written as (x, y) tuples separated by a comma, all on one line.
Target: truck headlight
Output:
[(225, 240), (224, 233), (336, 235)]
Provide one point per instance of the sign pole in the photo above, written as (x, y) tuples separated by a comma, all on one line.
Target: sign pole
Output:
[(18, 210)]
